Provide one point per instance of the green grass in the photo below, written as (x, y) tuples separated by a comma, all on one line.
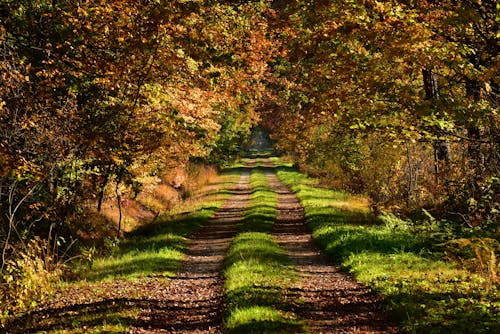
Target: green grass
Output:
[(261, 214), (158, 248), (424, 293), (258, 271), (102, 295)]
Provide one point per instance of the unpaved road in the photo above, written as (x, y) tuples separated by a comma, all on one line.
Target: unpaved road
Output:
[(192, 302), (331, 301)]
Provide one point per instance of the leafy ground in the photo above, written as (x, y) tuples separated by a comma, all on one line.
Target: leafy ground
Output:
[(241, 260)]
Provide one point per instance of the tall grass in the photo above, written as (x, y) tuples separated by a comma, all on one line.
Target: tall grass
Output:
[(422, 291)]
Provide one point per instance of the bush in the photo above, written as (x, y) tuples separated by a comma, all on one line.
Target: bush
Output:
[(27, 278)]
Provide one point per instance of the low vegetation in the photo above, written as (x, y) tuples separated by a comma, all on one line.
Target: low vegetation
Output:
[(120, 270), (258, 270), (405, 261)]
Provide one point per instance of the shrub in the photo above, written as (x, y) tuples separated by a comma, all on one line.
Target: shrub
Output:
[(27, 278)]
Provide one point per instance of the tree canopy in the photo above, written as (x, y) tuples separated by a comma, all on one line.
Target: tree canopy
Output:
[(395, 99), (91, 88)]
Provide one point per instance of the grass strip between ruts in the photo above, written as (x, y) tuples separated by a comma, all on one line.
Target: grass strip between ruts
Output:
[(258, 270), (422, 292)]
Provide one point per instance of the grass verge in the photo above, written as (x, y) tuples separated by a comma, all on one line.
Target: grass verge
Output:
[(105, 293), (258, 271), (398, 260), (158, 248)]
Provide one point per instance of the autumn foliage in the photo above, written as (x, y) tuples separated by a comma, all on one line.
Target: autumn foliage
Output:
[(394, 99), (95, 94)]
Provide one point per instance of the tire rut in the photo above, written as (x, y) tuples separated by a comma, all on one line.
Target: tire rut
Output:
[(192, 302), (330, 300)]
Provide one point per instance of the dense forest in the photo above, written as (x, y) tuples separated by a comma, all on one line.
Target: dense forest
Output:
[(395, 100)]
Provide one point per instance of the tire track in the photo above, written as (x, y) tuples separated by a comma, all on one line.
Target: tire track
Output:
[(330, 300), (192, 302)]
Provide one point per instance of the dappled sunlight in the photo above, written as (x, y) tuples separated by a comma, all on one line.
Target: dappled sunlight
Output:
[(136, 265), (263, 319), (354, 204), (138, 138), (394, 257)]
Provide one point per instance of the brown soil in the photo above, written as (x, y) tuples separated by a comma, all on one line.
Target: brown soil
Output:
[(331, 301)]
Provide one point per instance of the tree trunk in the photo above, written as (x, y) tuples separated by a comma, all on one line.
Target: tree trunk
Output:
[(101, 191), (430, 85), (473, 91), (119, 202), (441, 146)]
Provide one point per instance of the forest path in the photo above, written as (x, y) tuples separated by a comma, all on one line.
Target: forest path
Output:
[(192, 302), (189, 302), (330, 300), (325, 299)]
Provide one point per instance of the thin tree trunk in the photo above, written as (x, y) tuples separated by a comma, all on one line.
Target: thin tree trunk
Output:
[(411, 177), (441, 146), (12, 228), (119, 201), (101, 192)]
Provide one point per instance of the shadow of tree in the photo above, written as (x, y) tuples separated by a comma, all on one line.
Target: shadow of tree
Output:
[(109, 316), (268, 326), (91, 315)]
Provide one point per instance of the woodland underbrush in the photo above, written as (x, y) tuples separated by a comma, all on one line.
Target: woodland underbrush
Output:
[(434, 277), (404, 177), (154, 194), (28, 277)]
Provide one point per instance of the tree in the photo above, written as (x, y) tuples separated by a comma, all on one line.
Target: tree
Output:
[(364, 75)]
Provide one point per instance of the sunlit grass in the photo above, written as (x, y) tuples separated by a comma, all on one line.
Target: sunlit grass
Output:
[(261, 214), (255, 260), (262, 319), (159, 247), (100, 287), (423, 292), (136, 264), (258, 271), (155, 248)]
